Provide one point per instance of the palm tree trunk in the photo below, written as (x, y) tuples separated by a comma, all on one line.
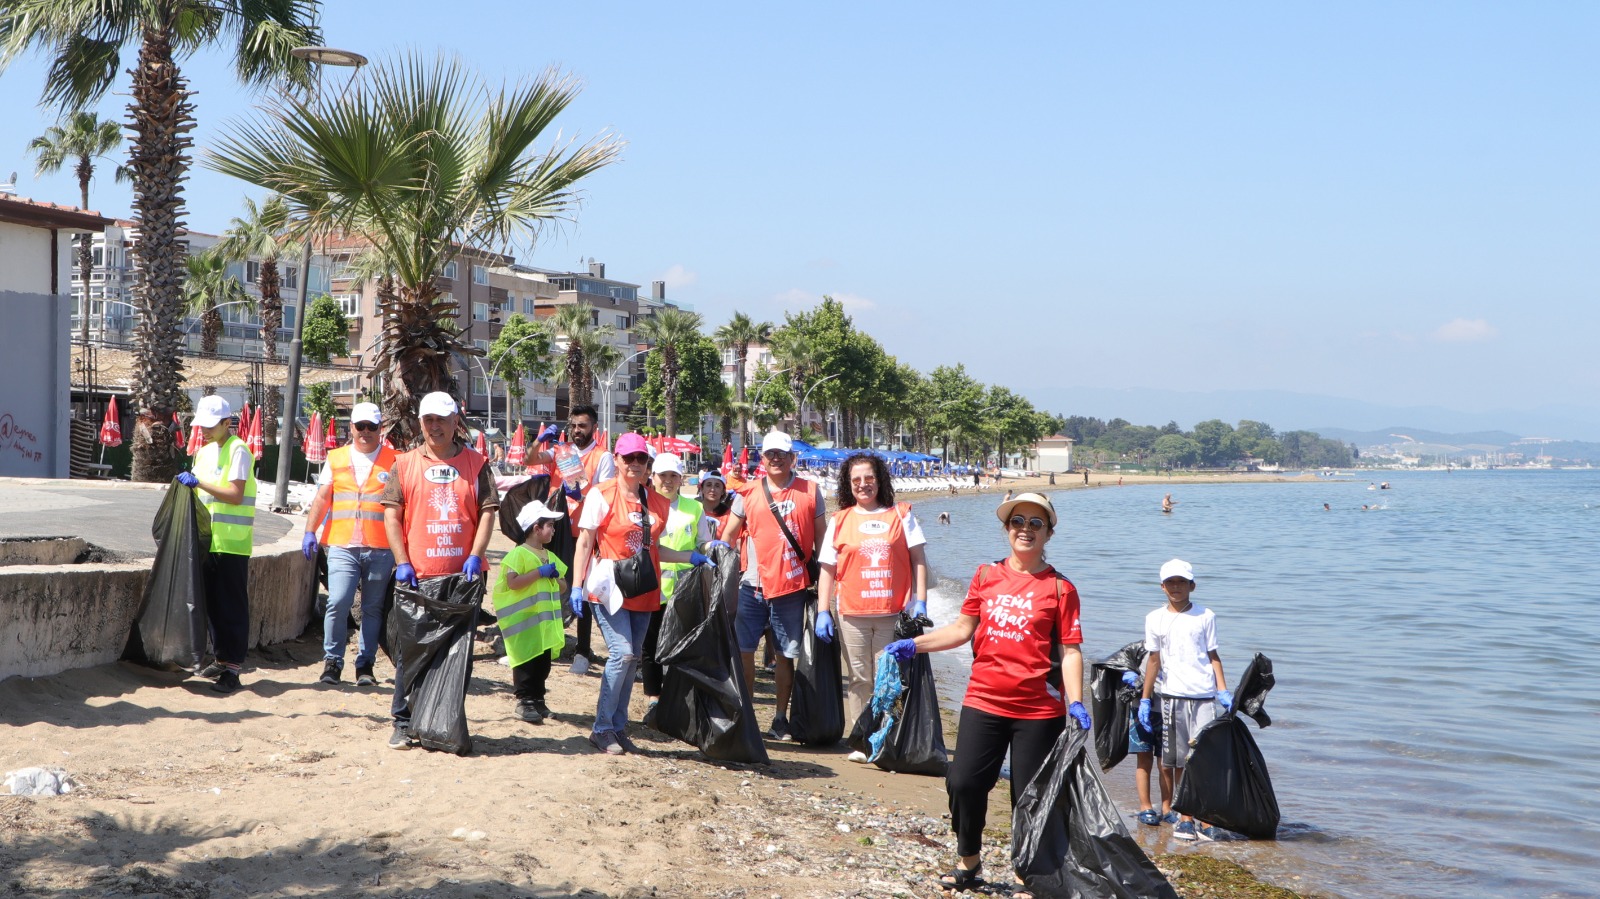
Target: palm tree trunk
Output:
[(85, 252), (669, 389), (741, 356), (271, 321), (161, 118)]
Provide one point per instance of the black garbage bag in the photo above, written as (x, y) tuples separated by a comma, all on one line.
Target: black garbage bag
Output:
[(537, 487), (1067, 837), (430, 642), (1110, 701), (170, 629), (914, 743), (1226, 781), (816, 707), (704, 700)]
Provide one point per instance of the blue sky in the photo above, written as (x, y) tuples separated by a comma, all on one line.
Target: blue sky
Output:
[(1396, 203)]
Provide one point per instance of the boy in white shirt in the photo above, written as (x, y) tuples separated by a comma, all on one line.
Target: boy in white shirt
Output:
[(1184, 672)]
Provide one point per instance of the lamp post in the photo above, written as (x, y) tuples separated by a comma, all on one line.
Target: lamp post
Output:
[(766, 375), (610, 383), (317, 56), (489, 377), (800, 416)]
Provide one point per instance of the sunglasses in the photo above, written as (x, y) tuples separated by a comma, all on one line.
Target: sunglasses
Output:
[(1035, 523), (636, 458), (366, 426)]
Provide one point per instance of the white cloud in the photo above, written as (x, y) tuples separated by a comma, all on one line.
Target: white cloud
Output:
[(796, 300), (853, 303), (1464, 330), (678, 276)]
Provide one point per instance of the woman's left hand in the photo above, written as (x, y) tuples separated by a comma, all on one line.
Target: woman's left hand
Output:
[(1079, 714)]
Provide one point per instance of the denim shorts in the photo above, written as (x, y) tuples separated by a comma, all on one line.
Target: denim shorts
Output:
[(1139, 739), (785, 615)]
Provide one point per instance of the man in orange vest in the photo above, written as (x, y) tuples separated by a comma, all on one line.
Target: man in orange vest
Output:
[(439, 510), (349, 516), (599, 466), (776, 576)]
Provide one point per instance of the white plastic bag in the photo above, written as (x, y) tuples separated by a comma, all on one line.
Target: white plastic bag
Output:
[(39, 782), (602, 584)]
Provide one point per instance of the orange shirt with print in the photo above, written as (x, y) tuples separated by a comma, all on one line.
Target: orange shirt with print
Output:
[(872, 567), (619, 534)]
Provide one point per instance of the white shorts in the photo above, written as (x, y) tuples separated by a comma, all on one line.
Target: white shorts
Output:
[(1181, 720)]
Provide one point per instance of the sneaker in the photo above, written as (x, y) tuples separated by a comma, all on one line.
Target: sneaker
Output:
[(211, 671), (780, 731), (606, 743), (365, 677), (649, 719), (580, 665), (627, 744), (330, 673), (1150, 817), (858, 757), (529, 712), (227, 682), (544, 710), (1183, 830), (401, 738)]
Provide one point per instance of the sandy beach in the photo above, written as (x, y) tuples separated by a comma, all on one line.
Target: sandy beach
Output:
[(288, 789)]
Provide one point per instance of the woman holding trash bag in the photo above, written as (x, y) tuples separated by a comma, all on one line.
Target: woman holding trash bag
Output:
[(622, 520), (873, 563), (1020, 615)]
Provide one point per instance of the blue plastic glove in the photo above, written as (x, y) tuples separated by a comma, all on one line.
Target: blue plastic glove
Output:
[(917, 609), (824, 626), (548, 569), (1226, 698), (1130, 678), (1079, 714), (904, 650), (473, 568), (405, 574), (1144, 713), (548, 434), (699, 558), (714, 544), (578, 599), (187, 478), (309, 544), (572, 492)]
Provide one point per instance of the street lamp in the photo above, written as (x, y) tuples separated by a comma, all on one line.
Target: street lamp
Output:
[(317, 56), (488, 386), (766, 375), (800, 419), (610, 383)]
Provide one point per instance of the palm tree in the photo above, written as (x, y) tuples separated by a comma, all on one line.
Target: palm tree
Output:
[(262, 233), (795, 352), (85, 43), (81, 137), (600, 356), (206, 287), (671, 330), (573, 323), (737, 335), (423, 161)]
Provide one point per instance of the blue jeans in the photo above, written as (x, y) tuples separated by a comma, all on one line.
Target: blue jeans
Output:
[(624, 635), (348, 569)]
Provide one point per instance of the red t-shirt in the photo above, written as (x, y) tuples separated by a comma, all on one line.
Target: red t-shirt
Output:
[(1017, 614)]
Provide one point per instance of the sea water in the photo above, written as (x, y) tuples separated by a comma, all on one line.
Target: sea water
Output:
[(1437, 710)]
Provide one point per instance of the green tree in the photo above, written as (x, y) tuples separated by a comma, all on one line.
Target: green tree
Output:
[(318, 398), (699, 384), (770, 399), (738, 334), (424, 160), (327, 331), (521, 350), (85, 43), (1218, 448), (955, 402), (672, 331), (1178, 451), (81, 137), (206, 286), (574, 323)]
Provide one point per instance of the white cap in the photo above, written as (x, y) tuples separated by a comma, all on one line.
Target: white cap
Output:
[(535, 511), (366, 412), (437, 403), (210, 410), (777, 440), (667, 462), (1177, 568)]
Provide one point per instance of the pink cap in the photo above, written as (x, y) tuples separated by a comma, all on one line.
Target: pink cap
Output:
[(631, 443)]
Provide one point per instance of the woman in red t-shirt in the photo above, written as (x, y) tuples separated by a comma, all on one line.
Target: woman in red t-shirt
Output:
[(1017, 612)]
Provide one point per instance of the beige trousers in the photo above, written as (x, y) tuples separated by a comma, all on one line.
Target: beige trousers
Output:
[(861, 638)]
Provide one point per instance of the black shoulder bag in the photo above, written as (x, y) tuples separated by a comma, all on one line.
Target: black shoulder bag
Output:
[(813, 567), (636, 575)]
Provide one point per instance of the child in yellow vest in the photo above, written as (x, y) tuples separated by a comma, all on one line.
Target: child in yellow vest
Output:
[(527, 599)]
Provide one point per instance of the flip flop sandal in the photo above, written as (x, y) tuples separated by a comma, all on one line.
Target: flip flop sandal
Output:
[(959, 878)]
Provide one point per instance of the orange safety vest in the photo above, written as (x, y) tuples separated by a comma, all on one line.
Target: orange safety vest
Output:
[(618, 536), (872, 565), (591, 464), (441, 509), (780, 570), (354, 502)]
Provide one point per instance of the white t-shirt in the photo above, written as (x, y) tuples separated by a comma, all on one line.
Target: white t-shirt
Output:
[(361, 463), (1184, 640), (914, 536), (240, 464)]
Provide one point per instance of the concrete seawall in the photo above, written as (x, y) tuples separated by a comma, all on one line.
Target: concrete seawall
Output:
[(55, 618)]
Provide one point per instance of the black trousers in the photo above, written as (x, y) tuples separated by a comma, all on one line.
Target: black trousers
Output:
[(652, 671), (227, 581), (981, 744), (528, 679)]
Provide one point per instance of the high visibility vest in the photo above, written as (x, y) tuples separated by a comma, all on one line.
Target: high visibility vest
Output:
[(682, 532), (872, 568), (232, 526), (441, 508), (781, 571), (619, 535), (357, 504), (591, 465), (530, 618)]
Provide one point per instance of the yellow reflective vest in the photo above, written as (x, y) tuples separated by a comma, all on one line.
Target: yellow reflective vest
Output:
[(232, 526)]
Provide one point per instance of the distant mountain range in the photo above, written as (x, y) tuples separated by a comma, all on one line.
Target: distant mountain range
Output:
[(1354, 421)]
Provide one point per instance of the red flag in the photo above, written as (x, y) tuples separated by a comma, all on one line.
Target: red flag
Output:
[(177, 430), (563, 437), (111, 428), (480, 445), (744, 460), (519, 447), (244, 422), (253, 439), (197, 439), (727, 458), (333, 436)]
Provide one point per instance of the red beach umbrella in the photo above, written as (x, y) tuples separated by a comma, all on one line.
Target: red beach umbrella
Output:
[(727, 458), (333, 437), (316, 451), (111, 428), (177, 430), (254, 439), (480, 445), (197, 439), (244, 422), (519, 447)]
